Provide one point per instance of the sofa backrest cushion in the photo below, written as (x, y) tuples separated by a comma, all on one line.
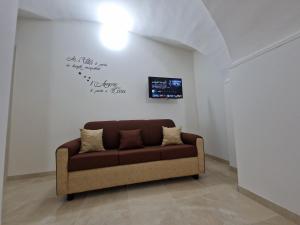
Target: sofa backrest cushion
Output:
[(151, 130)]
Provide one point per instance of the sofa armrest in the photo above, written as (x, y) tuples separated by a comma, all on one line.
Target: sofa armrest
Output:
[(193, 139), (61, 171), (63, 153), (189, 138), (201, 154), (72, 146)]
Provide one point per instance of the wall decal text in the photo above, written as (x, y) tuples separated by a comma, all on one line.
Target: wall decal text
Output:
[(86, 68)]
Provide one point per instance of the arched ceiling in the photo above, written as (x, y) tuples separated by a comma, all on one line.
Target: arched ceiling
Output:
[(224, 30), (184, 21), (250, 25)]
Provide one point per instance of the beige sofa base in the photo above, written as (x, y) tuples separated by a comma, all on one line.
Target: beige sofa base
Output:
[(87, 180)]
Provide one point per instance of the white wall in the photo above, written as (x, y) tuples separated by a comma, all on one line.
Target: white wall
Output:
[(211, 106), (229, 123), (266, 113), (51, 102), (8, 19)]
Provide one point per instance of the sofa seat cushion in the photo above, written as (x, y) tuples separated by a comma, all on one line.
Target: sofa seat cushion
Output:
[(93, 160), (178, 151), (139, 155)]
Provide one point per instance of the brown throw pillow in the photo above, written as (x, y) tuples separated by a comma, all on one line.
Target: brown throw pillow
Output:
[(172, 136), (131, 139), (91, 140)]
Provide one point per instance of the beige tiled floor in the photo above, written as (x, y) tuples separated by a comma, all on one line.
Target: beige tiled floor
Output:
[(211, 200)]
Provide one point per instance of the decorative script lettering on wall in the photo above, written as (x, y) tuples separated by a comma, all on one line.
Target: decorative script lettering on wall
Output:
[(86, 68)]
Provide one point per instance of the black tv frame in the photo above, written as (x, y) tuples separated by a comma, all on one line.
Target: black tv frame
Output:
[(170, 78)]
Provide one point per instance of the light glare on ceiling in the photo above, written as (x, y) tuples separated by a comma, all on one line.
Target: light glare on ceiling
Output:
[(116, 22), (113, 38)]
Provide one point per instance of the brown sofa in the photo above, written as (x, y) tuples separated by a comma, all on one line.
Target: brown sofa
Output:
[(95, 170)]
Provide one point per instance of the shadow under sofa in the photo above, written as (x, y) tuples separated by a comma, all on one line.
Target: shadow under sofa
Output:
[(97, 170)]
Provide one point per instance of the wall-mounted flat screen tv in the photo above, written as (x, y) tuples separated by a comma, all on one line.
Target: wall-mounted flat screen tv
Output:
[(163, 87)]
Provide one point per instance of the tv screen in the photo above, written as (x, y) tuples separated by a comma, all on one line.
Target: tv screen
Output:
[(163, 87)]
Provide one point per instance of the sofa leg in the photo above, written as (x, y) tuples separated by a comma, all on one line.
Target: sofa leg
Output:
[(196, 177), (70, 197)]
